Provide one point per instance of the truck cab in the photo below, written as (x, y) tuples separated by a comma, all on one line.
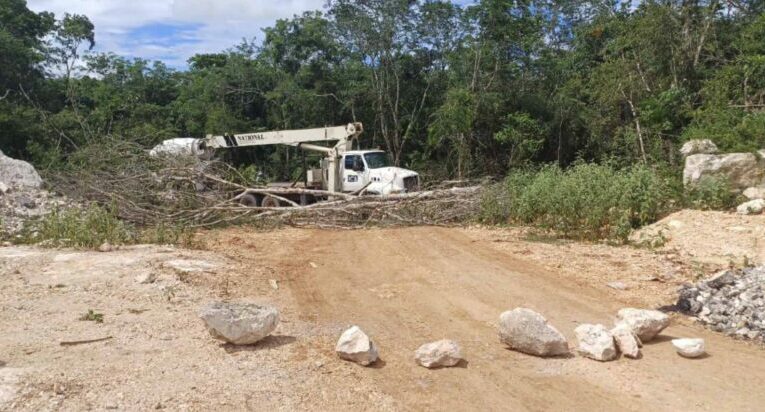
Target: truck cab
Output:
[(372, 171)]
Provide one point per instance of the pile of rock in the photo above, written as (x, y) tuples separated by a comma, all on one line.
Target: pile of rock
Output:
[(526, 331), (732, 302)]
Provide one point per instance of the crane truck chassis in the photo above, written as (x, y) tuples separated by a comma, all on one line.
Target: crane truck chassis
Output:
[(340, 170)]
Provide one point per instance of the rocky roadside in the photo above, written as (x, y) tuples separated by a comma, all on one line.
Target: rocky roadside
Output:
[(731, 302), (22, 196)]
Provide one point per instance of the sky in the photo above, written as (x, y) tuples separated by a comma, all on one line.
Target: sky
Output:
[(174, 30)]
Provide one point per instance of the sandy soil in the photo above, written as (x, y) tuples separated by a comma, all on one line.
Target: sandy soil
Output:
[(404, 287), (707, 241)]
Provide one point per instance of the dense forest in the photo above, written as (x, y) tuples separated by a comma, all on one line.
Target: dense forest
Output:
[(451, 91)]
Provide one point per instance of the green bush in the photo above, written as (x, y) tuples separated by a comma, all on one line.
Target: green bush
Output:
[(711, 193), (89, 228), (586, 201)]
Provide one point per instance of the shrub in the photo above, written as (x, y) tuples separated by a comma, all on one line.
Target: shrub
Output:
[(711, 193), (89, 227), (586, 201)]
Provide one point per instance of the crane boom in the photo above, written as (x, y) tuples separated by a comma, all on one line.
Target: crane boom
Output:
[(341, 169), (343, 135)]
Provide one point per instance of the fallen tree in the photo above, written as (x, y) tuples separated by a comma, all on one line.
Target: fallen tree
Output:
[(184, 191)]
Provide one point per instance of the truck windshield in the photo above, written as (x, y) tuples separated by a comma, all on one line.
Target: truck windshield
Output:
[(376, 160)]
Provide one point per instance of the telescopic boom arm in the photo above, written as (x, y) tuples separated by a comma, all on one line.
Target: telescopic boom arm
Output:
[(343, 135)]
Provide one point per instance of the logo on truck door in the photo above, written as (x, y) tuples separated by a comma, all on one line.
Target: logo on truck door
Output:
[(353, 179)]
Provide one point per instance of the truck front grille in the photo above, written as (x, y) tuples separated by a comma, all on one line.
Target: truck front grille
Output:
[(412, 183)]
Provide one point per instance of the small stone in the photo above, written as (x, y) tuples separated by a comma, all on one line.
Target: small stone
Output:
[(645, 323), (58, 388), (239, 323), (3, 188), (354, 345), (105, 247), (720, 279), (618, 285), (28, 203), (190, 266), (596, 342), (626, 341), (145, 278), (527, 331), (442, 353), (689, 348), (274, 284)]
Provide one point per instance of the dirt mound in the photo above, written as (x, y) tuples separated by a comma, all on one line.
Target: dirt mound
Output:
[(707, 241)]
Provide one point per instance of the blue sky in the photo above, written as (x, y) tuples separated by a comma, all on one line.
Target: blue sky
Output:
[(174, 30)]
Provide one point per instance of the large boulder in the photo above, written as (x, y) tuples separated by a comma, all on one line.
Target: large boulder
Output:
[(354, 345), (527, 331), (698, 146), (742, 170), (442, 353), (15, 173), (689, 348), (626, 341), (239, 323), (596, 342), (752, 207), (645, 323)]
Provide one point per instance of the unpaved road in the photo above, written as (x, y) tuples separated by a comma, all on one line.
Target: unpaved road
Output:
[(404, 287)]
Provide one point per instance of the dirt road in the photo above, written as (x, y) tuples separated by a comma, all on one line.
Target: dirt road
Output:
[(404, 287)]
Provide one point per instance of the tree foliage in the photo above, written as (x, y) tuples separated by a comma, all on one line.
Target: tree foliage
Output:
[(453, 91)]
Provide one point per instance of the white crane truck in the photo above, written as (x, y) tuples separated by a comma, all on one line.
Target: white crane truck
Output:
[(341, 170)]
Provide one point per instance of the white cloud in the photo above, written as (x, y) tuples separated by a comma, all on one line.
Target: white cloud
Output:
[(125, 26)]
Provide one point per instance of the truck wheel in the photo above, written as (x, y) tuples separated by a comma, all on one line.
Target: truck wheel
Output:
[(270, 202), (248, 200)]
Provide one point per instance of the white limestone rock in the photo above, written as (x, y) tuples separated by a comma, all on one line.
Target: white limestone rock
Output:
[(742, 170), (752, 207), (527, 331), (16, 173), (239, 323), (596, 342), (442, 353), (354, 345), (753, 193), (689, 348), (698, 146), (645, 323), (626, 341)]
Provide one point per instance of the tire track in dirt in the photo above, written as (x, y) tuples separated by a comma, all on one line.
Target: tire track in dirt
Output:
[(409, 286)]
